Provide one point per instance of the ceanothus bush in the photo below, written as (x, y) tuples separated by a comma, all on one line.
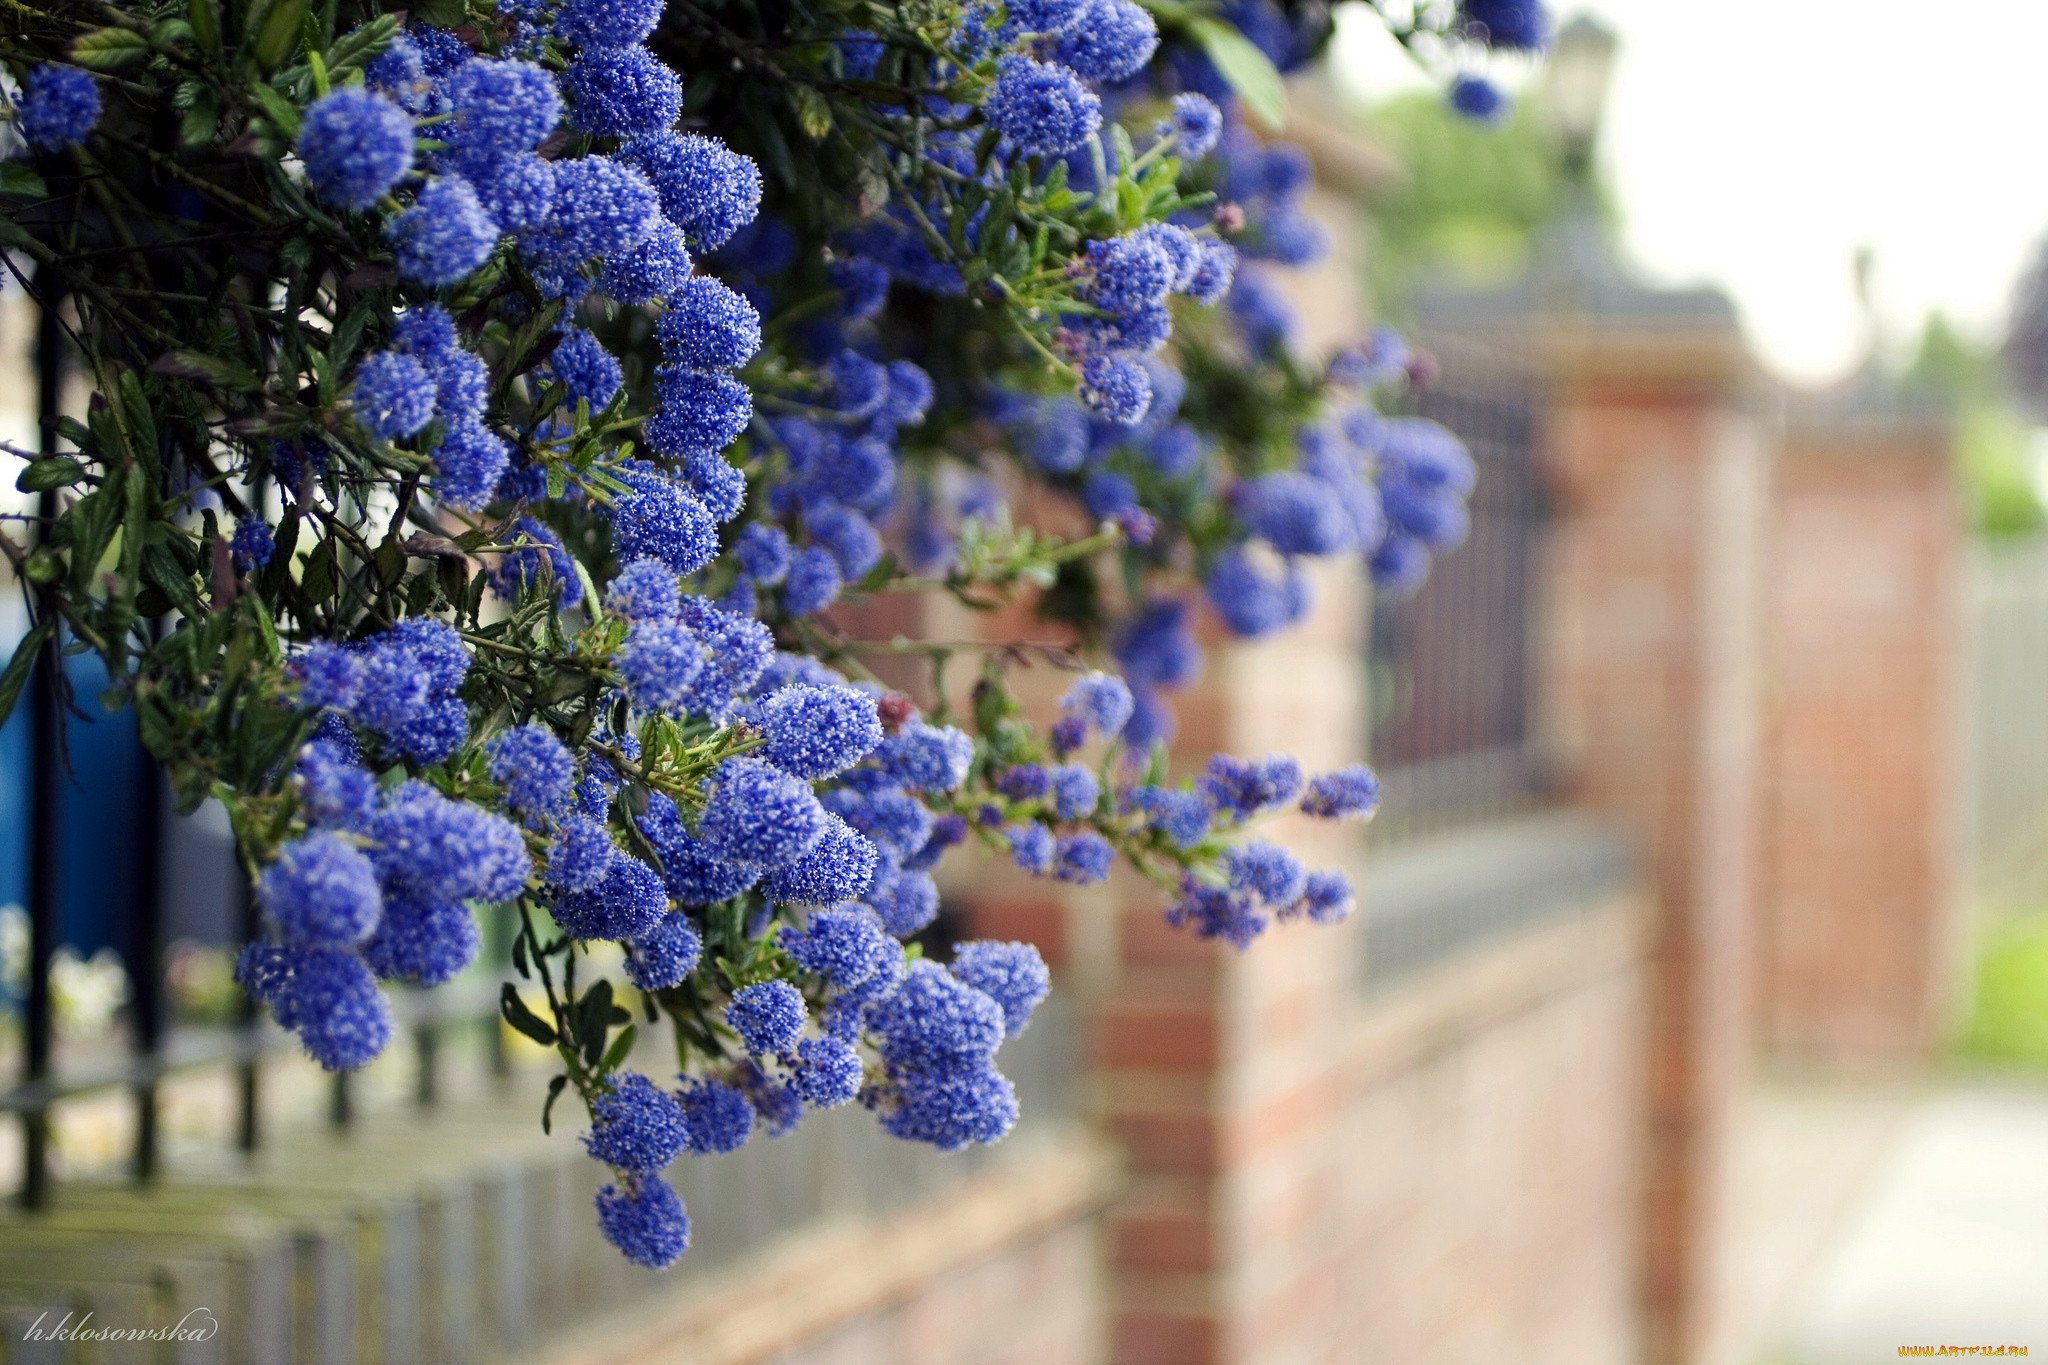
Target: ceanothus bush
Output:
[(487, 410)]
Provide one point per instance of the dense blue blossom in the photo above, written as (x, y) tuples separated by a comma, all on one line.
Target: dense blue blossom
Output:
[(1102, 700), (1295, 514), (534, 768), (1041, 107), (1110, 42), (763, 553), (635, 1127), (652, 270), (468, 463), (657, 663), (423, 941), (501, 108), (628, 903), (927, 758), (906, 902), (645, 590), (517, 189), (706, 189), (890, 816), (622, 92), (694, 874), (1518, 25), (849, 537), (356, 145), (1116, 388), (330, 999), (768, 1016), (819, 731), (321, 892), (332, 788), (660, 520), (445, 234), (581, 855), (813, 583), (1084, 858), (1074, 791), (1267, 871), (1216, 912), (252, 544), (935, 1023), (665, 955), (760, 816), (840, 866), (1196, 122), (1031, 848), (1251, 601), (645, 1221), (588, 372), (1183, 816), (1327, 897), (719, 1116), (606, 23), (601, 207), (1011, 974), (1241, 788), (953, 1110), (1352, 791), (393, 395), (708, 327), (60, 105), (827, 1072), (844, 944), (700, 413)]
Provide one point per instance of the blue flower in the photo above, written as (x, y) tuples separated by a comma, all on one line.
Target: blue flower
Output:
[(840, 866), (423, 941), (252, 544), (737, 649), (720, 1117), (887, 814), (693, 873), (535, 770), (589, 373), (501, 108), (1267, 871), (332, 787), (60, 105), (652, 270), (927, 758), (953, 1110), (814, 582), (1214, 912), (935, 1023), (468, 463), (1115, 388), (517, 189), (330, 999), (1515, 25), (760, 816), (1196, 122), (1399, 565), (393, 395), (1214, 272), (863, 286), (1434, 516), (645, 1221), (1478, 98), (602, 207), (426, 331), (1110, 43), (817, 732), (1041, 107), (827, 1072), (622, 92), (1074, 791), (1251, 602), (910, 394), (356, 145), (322, 892), (1084, 858), (1327, 897), (1103, 700), (645, 590), (849, 537), (845, 944), (700, 414), (1032, 848), (606, 23), (444, 236), (906, 902), (657, 664), (763, 553), (1043, 16), (636, 1126), (768, 1016), (1241, 788), (1126, 273), (581, 855), (522, 567), (665, 955), (1352, 791), (627, 904), (708, 327), (707, 189), (446, 850), (1011, 974), (1295, 514), (462, 383), (661, 521)]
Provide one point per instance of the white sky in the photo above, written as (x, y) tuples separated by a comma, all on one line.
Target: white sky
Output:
[(1754, 144)]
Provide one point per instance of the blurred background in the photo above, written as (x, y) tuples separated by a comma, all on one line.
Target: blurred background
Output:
[(1696, 1009)]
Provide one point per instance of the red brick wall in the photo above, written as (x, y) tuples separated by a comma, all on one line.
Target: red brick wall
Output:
[(1859, 907)]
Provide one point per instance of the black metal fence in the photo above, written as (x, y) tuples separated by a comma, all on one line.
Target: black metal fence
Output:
[(1453, 668)]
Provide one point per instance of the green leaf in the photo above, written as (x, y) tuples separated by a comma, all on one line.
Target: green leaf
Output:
[(440, 13), (197, 126), (356, 49), (1249, 71), (547, 1111), (621, 1045), (813, 114), (225, 374), (58, 471), (20, 179), (108, 49), (520, 1017), (277, 34), (280, 111), (204, 16), (20, 667)]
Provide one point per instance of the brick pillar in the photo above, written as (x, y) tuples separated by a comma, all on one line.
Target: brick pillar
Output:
[(1219, 1072), (1651, 697), (1859, 914)]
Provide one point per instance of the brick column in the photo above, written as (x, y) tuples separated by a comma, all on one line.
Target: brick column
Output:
[(1651, 698), (1859, 912)]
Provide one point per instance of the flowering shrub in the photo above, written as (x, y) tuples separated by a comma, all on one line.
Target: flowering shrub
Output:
[(487, 410)]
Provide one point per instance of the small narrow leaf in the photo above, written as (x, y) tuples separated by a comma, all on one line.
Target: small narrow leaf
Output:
[(1250, 72), (520, 1017)]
